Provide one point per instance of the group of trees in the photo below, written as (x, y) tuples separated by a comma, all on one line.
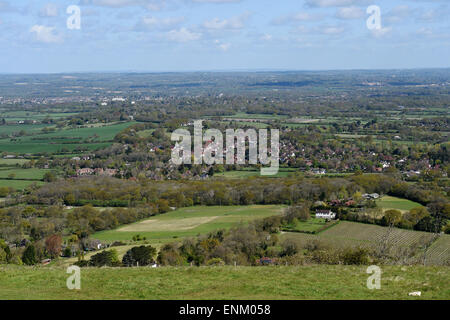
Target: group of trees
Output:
[(135, 257)]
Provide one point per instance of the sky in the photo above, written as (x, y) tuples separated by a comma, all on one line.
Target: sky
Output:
[(220, 35)]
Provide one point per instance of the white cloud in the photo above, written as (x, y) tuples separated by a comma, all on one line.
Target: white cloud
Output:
[(301, 16), (49, 10), (152, 23), (332, 30), (237, 22), (350, 13), (380, 33), (183, 35), (266, 37), (45, 34), (335, 3), (153, 5), (222, 46)]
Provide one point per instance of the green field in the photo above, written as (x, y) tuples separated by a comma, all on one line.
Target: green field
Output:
[(197, 283), (69, 139), (388, 202), (189, 221), (19, 184), (23, 174)]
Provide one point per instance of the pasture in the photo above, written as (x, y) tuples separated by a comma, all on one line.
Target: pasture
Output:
[(189, 221), (205, 283)]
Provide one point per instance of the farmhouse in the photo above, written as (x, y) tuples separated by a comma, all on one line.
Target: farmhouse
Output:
[(371, 196), (326, 214)]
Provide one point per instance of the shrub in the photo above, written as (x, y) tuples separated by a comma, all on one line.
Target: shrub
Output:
[(215, 262), (358, 256)]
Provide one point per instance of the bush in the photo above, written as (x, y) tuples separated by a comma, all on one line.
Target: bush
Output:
[(357, 256)]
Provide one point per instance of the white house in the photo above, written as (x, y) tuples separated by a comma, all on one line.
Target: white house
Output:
[(325, 214)]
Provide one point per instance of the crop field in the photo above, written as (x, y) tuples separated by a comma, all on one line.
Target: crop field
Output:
[(189, 221), (244, 283), (388, 202), (365, 235), (89, 138)]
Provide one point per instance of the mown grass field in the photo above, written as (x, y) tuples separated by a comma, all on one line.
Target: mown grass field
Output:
[(388, 202), (291, 282), (347, 233), (189, 221), (313, 224)]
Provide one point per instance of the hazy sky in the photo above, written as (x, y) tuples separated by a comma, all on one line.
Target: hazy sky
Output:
[(184, 35)]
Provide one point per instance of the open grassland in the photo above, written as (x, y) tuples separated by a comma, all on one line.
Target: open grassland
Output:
[(89, 138), (388, 202), (366, 235), (189, 221), (303, 282)]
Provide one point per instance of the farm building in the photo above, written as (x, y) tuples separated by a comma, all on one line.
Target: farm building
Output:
[(326, 214)]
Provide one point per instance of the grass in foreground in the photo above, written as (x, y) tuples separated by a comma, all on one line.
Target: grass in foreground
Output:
[(305, 282)]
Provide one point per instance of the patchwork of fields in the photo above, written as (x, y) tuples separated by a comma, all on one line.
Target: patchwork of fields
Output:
[(67, 140)]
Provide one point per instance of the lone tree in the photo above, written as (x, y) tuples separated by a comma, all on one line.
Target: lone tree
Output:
[(53, 245)]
